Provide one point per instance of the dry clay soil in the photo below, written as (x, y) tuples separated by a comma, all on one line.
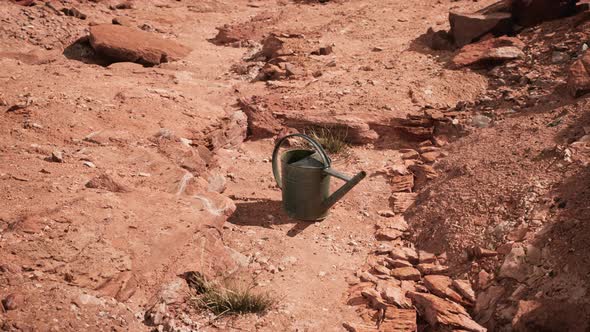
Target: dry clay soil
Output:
[(95, 258)]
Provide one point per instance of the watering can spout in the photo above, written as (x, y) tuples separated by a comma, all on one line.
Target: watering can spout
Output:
[(350, 183)]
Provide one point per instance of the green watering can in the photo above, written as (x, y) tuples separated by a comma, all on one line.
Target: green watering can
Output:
[(305, 181)]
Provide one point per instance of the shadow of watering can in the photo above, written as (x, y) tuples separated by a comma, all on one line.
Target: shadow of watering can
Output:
[(304, 178)]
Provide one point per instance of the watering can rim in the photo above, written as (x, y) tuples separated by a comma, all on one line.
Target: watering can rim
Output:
[(275, 167)]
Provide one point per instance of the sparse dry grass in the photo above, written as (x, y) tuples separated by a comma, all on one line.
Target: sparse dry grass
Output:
[(229, 297), (332, 140)]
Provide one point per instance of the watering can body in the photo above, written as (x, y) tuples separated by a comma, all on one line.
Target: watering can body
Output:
[(304, 178)]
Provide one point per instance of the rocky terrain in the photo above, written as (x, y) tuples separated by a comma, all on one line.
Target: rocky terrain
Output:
[(136, 142)]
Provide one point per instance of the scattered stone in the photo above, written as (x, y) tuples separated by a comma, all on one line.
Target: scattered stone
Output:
[(426, 257), (402, 183), (367, 277), (518, 234), (479, 252), (467, 28), (515, 266), (374, 298), (380, 269), (13, 301), (409, 154), (489, 52), (578, 81), (441, 314), (559, 57), (432, 268), (441, 286), (74, 12), (481, 121), (393, 294), (124, 44), (89, 164), (464, 288), (406, 273), (388, 234), (386, 213), (105, 182), (56, 157), (486, 303), (120, 287), (484, 279), (325, 50), (403, 201), (395, 263), (430, 157), (124, 21), (411, 254), (398, 253)]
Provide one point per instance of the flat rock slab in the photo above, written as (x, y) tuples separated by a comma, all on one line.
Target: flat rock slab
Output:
[(442, 314), (124, 44), (466, 28), (491, 51)]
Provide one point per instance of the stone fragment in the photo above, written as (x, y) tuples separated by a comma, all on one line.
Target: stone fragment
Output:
[(402, 201), (105, 182), (489, 52), (440, 40), (515, 265), (441, 286), (442, 314), (396, 296), (56, 157), (388, 234), (13, 301), (430, 268), (486, 303), (406, 273), (467, 28), (464, 288), (578, 81), (394, 263), (426, 257), (123, 44)]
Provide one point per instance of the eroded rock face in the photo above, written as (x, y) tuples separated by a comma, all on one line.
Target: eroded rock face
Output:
[(123, 44)]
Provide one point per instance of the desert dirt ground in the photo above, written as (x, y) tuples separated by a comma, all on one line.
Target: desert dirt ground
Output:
[(118, 178)]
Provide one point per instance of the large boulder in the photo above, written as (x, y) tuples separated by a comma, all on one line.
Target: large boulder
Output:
[(123, 44), (578, 82), (530, 12), (467, 28), (489, 52)]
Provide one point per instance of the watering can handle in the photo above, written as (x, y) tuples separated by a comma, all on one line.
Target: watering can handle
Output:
[(275, 165)]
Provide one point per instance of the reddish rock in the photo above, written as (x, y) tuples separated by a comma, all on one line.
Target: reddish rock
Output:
[(442, 314), (394, 263), (105, 182), (464, 288), (388, 235), (396, 296), (486, 303), (406, 273), (441, 286), (402, 183), (578, 81), (479, 252), (426, 257), (489, 52), (432, 268), (402, 201), (124, 44), (13, 301), (530, 12), (466, 28)]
